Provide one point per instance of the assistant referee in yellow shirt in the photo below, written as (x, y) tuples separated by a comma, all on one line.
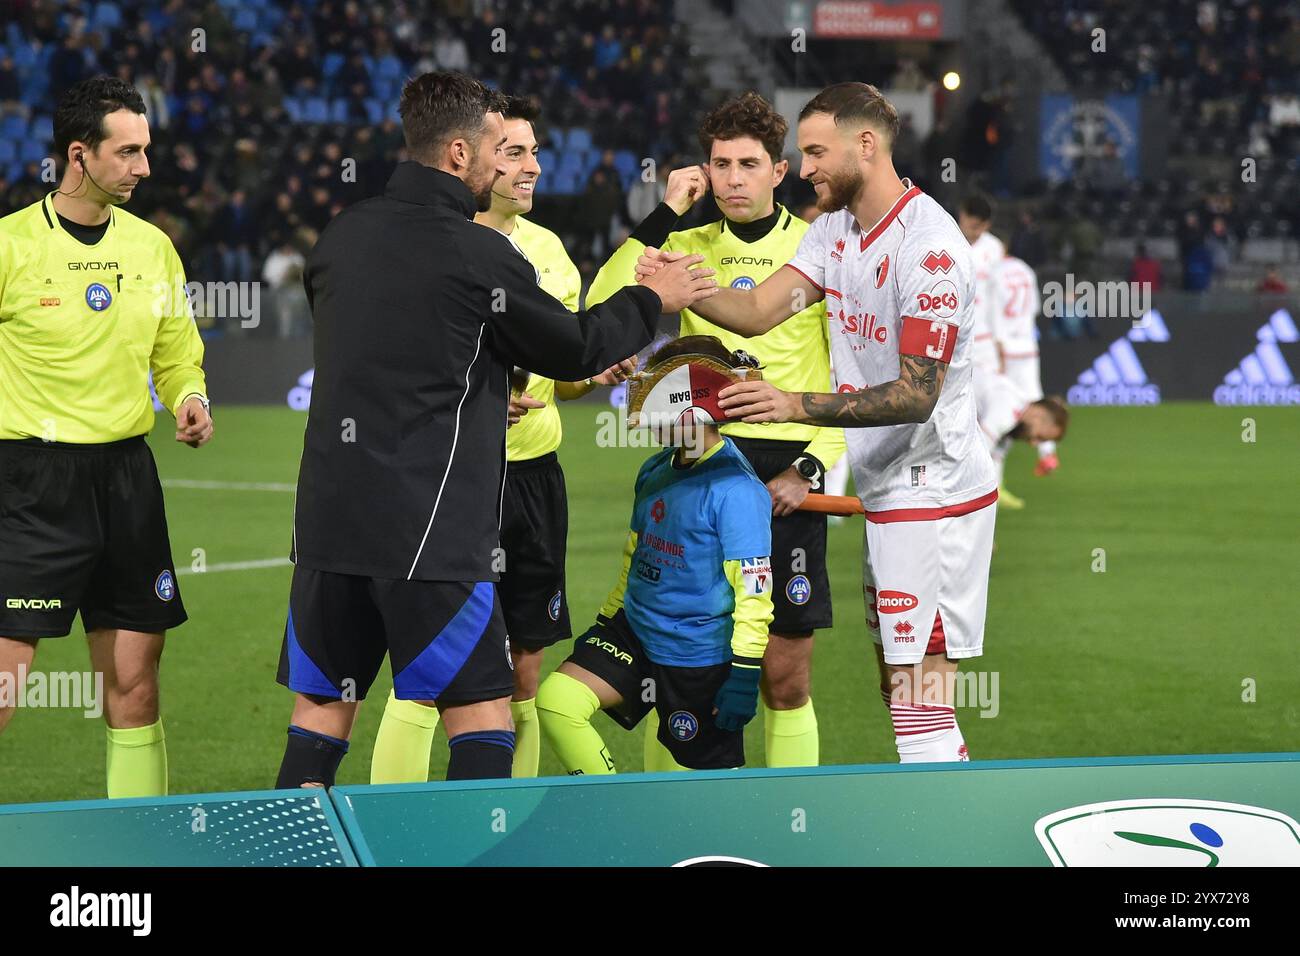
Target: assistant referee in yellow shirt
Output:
[(91, 300)]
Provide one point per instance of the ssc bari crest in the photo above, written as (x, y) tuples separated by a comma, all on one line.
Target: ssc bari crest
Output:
[(660, 395)]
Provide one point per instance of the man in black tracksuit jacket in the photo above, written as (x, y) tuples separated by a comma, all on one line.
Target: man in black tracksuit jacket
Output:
[(419, 314)]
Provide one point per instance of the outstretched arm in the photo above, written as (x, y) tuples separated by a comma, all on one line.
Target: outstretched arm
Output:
[(747, 312), (926, 348)]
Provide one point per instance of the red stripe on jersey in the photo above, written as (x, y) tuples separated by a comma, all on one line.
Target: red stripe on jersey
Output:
[(933, 514), (927, 338), (890, 216), (834, 292), (937, 640), (789, 265)]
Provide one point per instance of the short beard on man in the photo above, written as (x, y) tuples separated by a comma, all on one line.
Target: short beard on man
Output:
[(842, 187)]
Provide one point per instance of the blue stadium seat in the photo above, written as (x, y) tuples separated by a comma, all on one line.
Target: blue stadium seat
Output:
[(374, 111), (338, 110), (107, 16), (42, 128), (292, 108), (13, 126), (558, 137), (389, 67), (8, 152), (570, 164), (14, 171), (24, 56), (315, 109), (579, 138), (546, 159), (627, 164), (33, 151), (245, 20), (331, 64)]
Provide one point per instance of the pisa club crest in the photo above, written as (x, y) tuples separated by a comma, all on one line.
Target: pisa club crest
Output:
[(1165, 831)]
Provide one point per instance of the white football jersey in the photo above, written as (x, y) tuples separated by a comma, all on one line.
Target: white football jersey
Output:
[(905, 285), (1000, 401), (1019, 305), (987, 251)]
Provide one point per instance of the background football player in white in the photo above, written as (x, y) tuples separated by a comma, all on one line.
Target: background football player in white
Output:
[(975, 216), (899, 283), (1018, 307)]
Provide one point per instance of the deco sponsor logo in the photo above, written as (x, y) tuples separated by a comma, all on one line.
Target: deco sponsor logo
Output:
[(941, 301)]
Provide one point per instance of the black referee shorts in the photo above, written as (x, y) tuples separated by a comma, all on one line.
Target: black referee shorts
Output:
[(446, 639), (801, 591), (683, 696), (534, 536), (82, 527)]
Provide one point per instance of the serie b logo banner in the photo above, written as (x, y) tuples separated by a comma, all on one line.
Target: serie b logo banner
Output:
[(1169, 832)]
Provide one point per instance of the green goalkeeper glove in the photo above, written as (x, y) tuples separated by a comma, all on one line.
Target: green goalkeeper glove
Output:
[(737, 700)]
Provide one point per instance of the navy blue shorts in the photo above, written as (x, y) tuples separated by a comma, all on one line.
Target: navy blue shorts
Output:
[(446, 639)]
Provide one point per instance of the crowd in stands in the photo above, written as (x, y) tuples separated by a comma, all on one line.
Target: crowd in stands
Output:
[(268, 117), (255, 106)]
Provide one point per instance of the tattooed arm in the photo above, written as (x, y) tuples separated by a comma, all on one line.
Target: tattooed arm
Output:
[(910, 398)]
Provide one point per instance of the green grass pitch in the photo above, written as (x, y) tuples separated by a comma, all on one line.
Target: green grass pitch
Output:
[(1188, 642)]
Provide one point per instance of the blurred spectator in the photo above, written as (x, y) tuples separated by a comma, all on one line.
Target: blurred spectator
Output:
[(1105, 174), (1272, 283), (645, 195), (1028, 242), (10, 90), (908, 78), (1073, 319), (1221, 245), (282, 274), (1082, 243), (235, 230), (1146, 270), (600, 204)]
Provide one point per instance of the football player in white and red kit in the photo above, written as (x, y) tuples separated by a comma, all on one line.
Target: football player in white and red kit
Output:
[(974, 217), (1008, 413), (899, 280), (1018, 307)]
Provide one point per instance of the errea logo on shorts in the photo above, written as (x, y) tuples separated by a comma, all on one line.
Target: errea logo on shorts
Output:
[(895, 602)]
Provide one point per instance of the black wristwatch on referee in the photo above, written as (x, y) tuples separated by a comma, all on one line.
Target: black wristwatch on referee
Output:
[(809, 468)]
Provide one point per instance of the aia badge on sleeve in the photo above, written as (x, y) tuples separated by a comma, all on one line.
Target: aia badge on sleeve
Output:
[(882, 270), (661, 395)]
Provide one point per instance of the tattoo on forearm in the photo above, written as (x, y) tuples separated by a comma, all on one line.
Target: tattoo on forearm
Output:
[(909, 398), (923, 372)]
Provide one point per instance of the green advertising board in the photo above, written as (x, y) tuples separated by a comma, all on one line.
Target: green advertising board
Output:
[(1157, 811), (268, 828)]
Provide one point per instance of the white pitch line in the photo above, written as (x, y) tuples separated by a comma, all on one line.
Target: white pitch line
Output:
[(228, 485), (238, 566)]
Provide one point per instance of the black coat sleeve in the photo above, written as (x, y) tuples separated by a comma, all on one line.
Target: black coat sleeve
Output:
[(532, 329)]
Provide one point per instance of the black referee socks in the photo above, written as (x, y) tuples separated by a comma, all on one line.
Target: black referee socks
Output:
[(310, 758), (482, 755)]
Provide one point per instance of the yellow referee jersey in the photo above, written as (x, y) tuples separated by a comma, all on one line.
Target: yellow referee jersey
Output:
[(82, 326), (539, 432), (795, 354)]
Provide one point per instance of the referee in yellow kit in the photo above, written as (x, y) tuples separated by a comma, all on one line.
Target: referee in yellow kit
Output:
[(91, 300)]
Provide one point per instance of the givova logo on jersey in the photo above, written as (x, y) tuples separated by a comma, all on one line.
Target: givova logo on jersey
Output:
[(1169, 832), (1117, 376), (1263, 377)]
